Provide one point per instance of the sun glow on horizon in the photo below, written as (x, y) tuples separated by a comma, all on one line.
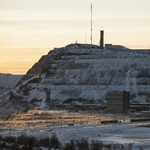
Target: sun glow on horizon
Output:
[(27, 26)]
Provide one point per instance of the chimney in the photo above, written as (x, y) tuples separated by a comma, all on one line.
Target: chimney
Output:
[(101, 39)]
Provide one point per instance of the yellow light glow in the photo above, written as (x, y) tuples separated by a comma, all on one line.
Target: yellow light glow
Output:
[(25, 25)]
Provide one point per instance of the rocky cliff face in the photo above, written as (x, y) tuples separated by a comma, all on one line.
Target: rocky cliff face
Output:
[(82, 73)]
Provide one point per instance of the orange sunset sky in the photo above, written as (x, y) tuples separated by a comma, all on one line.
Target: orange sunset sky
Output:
[(31, 28)]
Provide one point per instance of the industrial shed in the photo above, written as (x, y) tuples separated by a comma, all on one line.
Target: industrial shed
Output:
[(118, 100)]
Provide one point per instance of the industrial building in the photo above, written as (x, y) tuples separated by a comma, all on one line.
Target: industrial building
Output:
[(118, 100), (48, 98)]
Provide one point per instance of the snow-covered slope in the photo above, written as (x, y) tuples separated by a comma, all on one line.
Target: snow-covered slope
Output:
[(82, 73), (8, 81)]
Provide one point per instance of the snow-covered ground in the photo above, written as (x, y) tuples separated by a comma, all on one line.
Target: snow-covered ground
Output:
[(125, 133), (113, 133)]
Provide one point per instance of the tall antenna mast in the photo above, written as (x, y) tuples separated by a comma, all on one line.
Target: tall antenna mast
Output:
[(91, 23)]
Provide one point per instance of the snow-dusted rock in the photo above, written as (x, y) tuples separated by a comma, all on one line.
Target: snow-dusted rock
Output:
[(8, 81), (83, 73)]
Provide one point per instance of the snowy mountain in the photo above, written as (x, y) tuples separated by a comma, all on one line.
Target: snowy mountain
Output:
[(82, 73), (8, 81)]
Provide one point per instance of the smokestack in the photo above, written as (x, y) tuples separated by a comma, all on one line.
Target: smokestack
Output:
[(101, 39)]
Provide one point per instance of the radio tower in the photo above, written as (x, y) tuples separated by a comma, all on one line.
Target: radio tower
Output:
[(91, 23)]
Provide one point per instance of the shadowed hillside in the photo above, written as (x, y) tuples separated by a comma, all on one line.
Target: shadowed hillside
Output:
[(82, 73)]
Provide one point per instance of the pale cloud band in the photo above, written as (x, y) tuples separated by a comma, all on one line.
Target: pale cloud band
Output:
[(26, 24)]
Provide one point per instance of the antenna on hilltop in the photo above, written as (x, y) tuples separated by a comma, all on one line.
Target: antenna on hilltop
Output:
[(91, 23)]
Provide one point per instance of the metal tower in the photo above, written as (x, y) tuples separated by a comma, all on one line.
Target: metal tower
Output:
[(91, 23)]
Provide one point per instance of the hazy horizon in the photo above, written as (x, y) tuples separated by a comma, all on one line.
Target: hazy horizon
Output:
[(31, 29)]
